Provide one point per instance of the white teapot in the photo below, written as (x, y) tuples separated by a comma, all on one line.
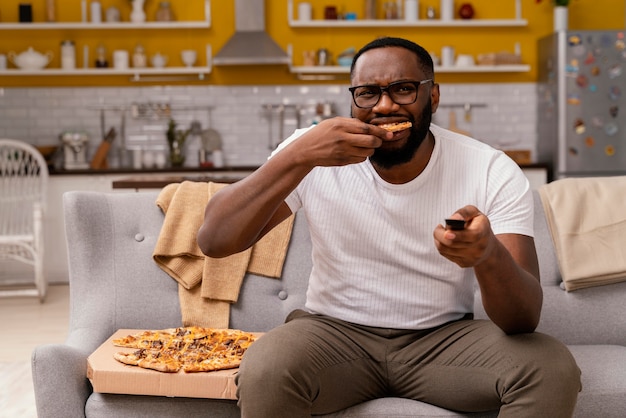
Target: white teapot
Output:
[(158, 60), (30, 59)]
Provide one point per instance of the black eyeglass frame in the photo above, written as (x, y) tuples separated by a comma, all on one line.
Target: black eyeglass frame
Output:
[(417, 85)]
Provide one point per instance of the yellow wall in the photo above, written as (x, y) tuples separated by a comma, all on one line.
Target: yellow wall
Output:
[(584, 14)]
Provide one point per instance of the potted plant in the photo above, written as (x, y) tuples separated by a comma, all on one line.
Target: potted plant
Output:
[(176, 140), (560, 14)]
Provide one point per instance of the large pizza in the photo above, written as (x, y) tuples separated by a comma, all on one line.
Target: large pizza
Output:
[(192, 349)]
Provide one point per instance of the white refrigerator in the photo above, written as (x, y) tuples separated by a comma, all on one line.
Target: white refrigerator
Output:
[(581, 104)]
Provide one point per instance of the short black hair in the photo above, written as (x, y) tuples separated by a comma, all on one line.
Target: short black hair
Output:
[(424, 59)]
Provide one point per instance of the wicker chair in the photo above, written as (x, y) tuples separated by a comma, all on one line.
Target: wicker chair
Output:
[(23, 183)]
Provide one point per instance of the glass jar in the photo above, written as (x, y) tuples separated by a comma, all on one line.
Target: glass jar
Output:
[(164, 12), (101, 57), (139, 57)]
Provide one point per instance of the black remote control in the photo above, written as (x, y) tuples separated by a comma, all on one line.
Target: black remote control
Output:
[(455, 224)]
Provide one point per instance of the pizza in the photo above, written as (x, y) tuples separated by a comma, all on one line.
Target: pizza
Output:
[(191, 349), (395, 127)]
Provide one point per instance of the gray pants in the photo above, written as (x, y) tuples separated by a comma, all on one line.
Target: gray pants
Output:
[(314, 364)]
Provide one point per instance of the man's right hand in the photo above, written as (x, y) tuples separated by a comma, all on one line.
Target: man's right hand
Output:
[(338, 141)]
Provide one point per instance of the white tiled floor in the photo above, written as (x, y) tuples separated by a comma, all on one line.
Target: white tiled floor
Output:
[(28, 323)]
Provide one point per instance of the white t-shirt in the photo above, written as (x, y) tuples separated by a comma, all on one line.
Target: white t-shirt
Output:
[(374, 258)]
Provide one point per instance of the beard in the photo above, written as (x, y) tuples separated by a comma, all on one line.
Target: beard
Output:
[(389, 157)]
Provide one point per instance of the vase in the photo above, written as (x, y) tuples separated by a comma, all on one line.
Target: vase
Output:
[(137, 15), (177, 156), (560, 18)]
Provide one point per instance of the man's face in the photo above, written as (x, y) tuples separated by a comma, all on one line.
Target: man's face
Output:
[(381, 67)]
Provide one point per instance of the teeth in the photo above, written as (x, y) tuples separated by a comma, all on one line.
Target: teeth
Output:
[(394, 127)]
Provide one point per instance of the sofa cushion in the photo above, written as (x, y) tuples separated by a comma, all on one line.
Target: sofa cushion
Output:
[(603, 380)]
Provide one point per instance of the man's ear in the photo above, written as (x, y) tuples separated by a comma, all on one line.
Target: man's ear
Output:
[(434, 97)]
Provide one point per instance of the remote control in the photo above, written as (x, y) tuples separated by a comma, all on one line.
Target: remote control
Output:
[(455, 224)]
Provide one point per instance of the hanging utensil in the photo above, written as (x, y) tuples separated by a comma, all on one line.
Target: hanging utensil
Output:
[(103, 132), (281, 122), (453, 126), (468, 109), (211, 139), (270, 139)]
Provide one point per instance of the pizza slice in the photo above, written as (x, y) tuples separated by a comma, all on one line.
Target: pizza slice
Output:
[(395, 127)]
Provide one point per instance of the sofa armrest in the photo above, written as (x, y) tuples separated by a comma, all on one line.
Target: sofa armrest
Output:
[(60, 381)]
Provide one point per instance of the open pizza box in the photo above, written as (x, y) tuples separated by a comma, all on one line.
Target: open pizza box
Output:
[(107, 375)]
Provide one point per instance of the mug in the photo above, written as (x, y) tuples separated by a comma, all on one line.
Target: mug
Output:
[(447, 56), (464, 60), (120, 59)]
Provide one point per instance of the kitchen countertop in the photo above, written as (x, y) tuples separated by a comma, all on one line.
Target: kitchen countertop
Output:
[(182, 170), (147, 179), (160, 181)]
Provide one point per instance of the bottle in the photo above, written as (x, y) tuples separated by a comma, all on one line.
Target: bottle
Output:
[(68, 55), (164, 12), (96, 12), (139, 57), (50, 11), (101, 57), (370, 9)]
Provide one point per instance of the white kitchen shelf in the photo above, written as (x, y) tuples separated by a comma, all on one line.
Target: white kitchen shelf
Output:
[(338, 69), (136, 73), (366, 23), (191, 24)]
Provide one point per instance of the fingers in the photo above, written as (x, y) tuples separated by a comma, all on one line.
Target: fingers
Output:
[(342, 141), (466, 247)]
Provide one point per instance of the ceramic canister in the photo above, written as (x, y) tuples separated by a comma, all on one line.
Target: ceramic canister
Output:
[(447, 10), (305, 11)]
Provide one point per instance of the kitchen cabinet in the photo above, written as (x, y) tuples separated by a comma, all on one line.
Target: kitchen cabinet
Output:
[(148, 28), (330, 72)]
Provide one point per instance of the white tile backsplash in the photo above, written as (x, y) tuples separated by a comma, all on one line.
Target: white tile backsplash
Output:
[(38, 115)]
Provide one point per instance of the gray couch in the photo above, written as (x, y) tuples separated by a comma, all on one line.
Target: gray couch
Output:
[(110, 240)]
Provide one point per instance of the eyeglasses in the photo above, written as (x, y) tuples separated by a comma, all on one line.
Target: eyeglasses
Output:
[(401, 92)]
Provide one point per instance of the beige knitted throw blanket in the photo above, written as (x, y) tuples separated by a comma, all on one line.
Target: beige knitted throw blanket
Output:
[(208, 286), (587, 220)]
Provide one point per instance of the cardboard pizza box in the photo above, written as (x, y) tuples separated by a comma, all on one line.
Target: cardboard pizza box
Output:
[(107, 375)]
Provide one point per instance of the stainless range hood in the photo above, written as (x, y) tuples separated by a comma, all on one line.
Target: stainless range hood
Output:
[(250, 45)]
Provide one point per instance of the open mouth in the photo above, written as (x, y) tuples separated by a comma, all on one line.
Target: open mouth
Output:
[(396, 127)]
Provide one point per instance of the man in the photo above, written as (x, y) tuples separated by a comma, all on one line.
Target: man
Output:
[(389, 311)]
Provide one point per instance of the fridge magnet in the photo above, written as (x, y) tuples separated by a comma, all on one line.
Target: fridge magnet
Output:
[(597, 122), (619, 44), (613, 111), (615, 93), (582, 81), (593, 88), (573, 99), (573, 151), (590, 58), (574, 40), (610, 129), (615, 71), (579, 126), (606, 40), (595, 70), (590, 141), (609, 150)]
